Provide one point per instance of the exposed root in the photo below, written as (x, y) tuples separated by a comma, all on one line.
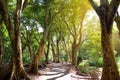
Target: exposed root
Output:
[(20, 74)]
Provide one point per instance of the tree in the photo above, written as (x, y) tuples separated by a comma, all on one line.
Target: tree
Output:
[(48, 19), (75, 19), (18, 71), (106, 12)]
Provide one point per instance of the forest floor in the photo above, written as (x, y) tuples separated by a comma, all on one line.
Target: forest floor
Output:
[(61, 71)]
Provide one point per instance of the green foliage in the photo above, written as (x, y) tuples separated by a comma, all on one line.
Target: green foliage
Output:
[(86, 69), (26, 58), (73, 11), (63, 57), (42, 60), (91, 49), (96, 63), (83, 66), (6, 45), (84, 63)]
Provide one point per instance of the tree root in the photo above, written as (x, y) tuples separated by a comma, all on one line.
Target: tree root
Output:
[(19, 74)]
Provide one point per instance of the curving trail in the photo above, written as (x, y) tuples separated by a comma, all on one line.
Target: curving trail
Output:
[(59, 71)]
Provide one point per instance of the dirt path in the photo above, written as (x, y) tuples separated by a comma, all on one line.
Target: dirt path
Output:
[(58, 71)]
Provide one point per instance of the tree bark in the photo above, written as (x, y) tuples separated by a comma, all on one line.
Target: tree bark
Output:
[(1, 44), (110, 70), (18, 71)]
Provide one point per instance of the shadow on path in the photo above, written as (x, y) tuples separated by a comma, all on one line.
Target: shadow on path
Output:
[(59, 71)]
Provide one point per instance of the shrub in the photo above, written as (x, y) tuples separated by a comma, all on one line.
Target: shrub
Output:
[(96, 63)]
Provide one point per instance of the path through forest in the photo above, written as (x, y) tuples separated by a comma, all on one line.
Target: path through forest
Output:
[(59, 71)]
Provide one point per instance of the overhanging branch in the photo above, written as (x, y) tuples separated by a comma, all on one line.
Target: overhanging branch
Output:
[(95, 7)]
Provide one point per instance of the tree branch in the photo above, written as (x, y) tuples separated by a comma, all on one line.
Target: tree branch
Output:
[(113, 9), (52, 18), (117, 20), (95, 7), (68, 27)]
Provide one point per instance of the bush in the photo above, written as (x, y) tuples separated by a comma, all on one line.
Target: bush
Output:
[(85, 69), (83, 66), (84, 63), (26, 58), (96, 63)]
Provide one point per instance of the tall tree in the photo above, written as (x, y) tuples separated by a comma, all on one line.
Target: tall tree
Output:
[(18, 71), (48, 19), (106, 12), (76, 19)]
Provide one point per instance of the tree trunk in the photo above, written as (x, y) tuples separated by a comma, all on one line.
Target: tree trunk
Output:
[(53, 52), (18, 71), (48, 48), (58, 51), (74, 54), (106, 12), (1, 44), (75, 47), (110, 70)]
